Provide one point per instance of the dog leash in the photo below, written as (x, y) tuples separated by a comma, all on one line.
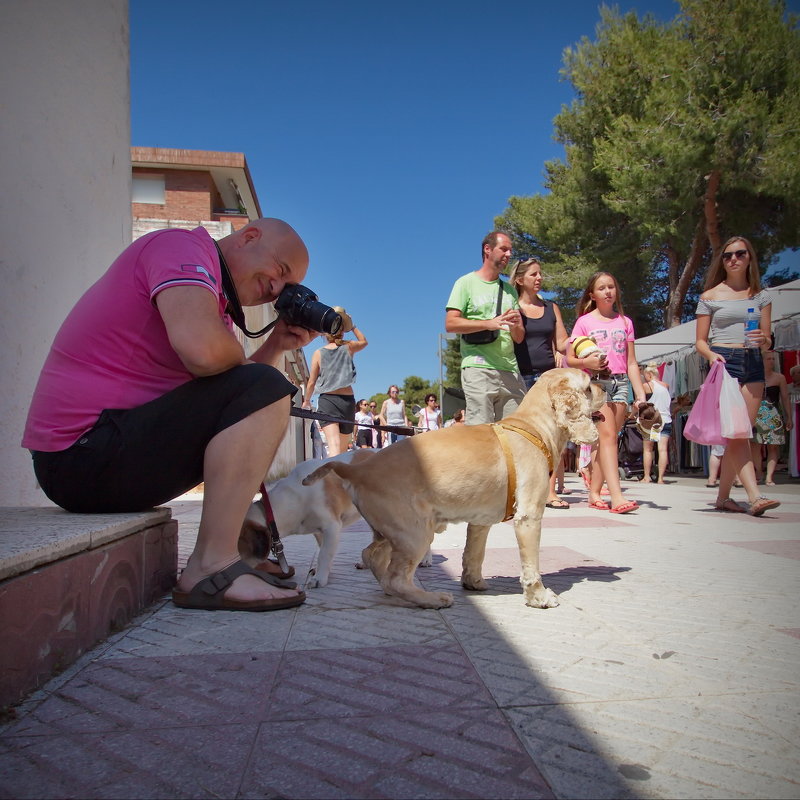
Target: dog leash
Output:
[(275, 544), (307, 413), (500, 429)]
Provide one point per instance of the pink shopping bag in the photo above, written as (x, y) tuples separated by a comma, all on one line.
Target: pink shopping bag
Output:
[(703, 424)]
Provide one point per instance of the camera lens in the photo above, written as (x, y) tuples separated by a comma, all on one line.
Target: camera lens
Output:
[(298, 305), (320, 317)]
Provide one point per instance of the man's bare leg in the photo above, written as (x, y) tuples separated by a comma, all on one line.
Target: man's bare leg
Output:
[(236, 461)]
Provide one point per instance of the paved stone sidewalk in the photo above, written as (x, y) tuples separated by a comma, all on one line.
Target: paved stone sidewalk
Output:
[(670, 669)]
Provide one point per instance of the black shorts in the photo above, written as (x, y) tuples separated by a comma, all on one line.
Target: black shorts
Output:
[(338, 405), (134, 459), (364, 437)]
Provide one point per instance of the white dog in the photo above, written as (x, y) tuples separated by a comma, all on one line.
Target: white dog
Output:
[(322, 509)]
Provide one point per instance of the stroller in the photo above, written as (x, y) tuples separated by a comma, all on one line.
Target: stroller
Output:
[(629, 452)]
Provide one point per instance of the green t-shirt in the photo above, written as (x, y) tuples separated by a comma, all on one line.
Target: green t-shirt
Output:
[(477, 299)]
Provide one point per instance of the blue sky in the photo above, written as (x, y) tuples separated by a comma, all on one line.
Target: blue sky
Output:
[(388, 134)]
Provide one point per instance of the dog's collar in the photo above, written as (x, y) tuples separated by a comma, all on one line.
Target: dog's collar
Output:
[(500, 429)]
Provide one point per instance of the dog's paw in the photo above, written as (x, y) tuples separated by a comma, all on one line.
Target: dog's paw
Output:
[(360, 565), (543, 598), (476, 585), (437, 600), (427, 561)]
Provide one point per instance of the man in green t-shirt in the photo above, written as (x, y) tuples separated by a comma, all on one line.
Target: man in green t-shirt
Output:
[(489, 372)]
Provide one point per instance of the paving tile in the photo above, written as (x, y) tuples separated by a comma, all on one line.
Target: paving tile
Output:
[(376, 680), (142, 693), (175, 762), (695, 748), (179, 631), (784, 548), (467, 753), (377, 624)]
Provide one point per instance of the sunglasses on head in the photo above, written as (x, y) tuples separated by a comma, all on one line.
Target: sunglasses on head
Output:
[(740, 254)]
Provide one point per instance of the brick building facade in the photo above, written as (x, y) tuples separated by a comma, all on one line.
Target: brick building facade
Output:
[(186, 188)]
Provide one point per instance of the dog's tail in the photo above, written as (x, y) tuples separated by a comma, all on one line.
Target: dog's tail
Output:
[(318, 474)]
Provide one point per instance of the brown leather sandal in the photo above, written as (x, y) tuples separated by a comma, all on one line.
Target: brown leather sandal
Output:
[(208, 594), (729, 505), (760, 505)]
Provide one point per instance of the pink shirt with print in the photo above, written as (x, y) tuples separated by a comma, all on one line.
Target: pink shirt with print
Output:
[(112, 351), (612, 337)]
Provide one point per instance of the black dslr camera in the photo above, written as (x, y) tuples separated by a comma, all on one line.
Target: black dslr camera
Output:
[(298, 305)]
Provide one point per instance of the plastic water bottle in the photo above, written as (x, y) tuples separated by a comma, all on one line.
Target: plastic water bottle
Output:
[(750, 324)]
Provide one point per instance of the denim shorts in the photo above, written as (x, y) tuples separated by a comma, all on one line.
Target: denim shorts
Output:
[(530, 379), (743, 363), (617, 387)]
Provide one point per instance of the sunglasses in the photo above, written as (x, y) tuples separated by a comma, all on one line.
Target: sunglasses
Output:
[(740, 254)]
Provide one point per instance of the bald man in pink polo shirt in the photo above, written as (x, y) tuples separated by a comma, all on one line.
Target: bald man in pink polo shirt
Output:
[(146, 392)]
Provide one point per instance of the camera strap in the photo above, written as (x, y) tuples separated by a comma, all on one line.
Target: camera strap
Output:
[(234, 306)]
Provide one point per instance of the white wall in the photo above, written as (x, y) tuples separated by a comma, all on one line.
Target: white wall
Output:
[(65, 205)]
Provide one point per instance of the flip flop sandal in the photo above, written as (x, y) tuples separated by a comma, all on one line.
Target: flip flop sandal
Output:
[(600, 505), (564, 490), (760, 505), (208, 594), (626, 507), (731, 506), (560, 504)]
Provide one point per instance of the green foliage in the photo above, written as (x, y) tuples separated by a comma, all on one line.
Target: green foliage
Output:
[(680, 135), (413, 391)]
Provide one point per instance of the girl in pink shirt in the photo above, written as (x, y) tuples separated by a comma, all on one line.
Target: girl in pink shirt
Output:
[(600, 316)]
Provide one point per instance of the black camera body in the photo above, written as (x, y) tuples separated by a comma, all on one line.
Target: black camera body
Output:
[(298, 305)]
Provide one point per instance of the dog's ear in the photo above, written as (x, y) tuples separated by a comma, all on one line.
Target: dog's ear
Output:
[(571, 408), (565, 399)]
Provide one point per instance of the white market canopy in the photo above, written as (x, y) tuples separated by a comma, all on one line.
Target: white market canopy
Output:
[(666, 345)]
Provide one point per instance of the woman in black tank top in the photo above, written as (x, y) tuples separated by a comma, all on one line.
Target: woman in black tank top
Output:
[(544, 343)]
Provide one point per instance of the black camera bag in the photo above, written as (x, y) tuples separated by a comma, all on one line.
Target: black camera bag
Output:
[(485, 337)]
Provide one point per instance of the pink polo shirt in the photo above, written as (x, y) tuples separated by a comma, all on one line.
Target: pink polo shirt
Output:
[(112, 351)]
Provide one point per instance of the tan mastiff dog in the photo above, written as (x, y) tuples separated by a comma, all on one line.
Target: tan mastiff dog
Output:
[(479, 474)]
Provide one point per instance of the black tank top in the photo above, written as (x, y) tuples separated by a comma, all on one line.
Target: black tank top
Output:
[(535, 352), (773, 394)]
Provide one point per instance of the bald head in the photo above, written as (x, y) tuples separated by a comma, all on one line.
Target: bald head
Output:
[(263, 257)]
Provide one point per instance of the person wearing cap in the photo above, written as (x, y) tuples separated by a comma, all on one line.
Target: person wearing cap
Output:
[(332, 374), (147, 392)]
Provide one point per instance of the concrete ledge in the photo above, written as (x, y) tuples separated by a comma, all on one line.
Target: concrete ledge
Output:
[(68, 580)]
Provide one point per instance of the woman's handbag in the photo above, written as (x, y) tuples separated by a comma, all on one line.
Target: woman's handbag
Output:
[(734, 419), (703, 423)]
